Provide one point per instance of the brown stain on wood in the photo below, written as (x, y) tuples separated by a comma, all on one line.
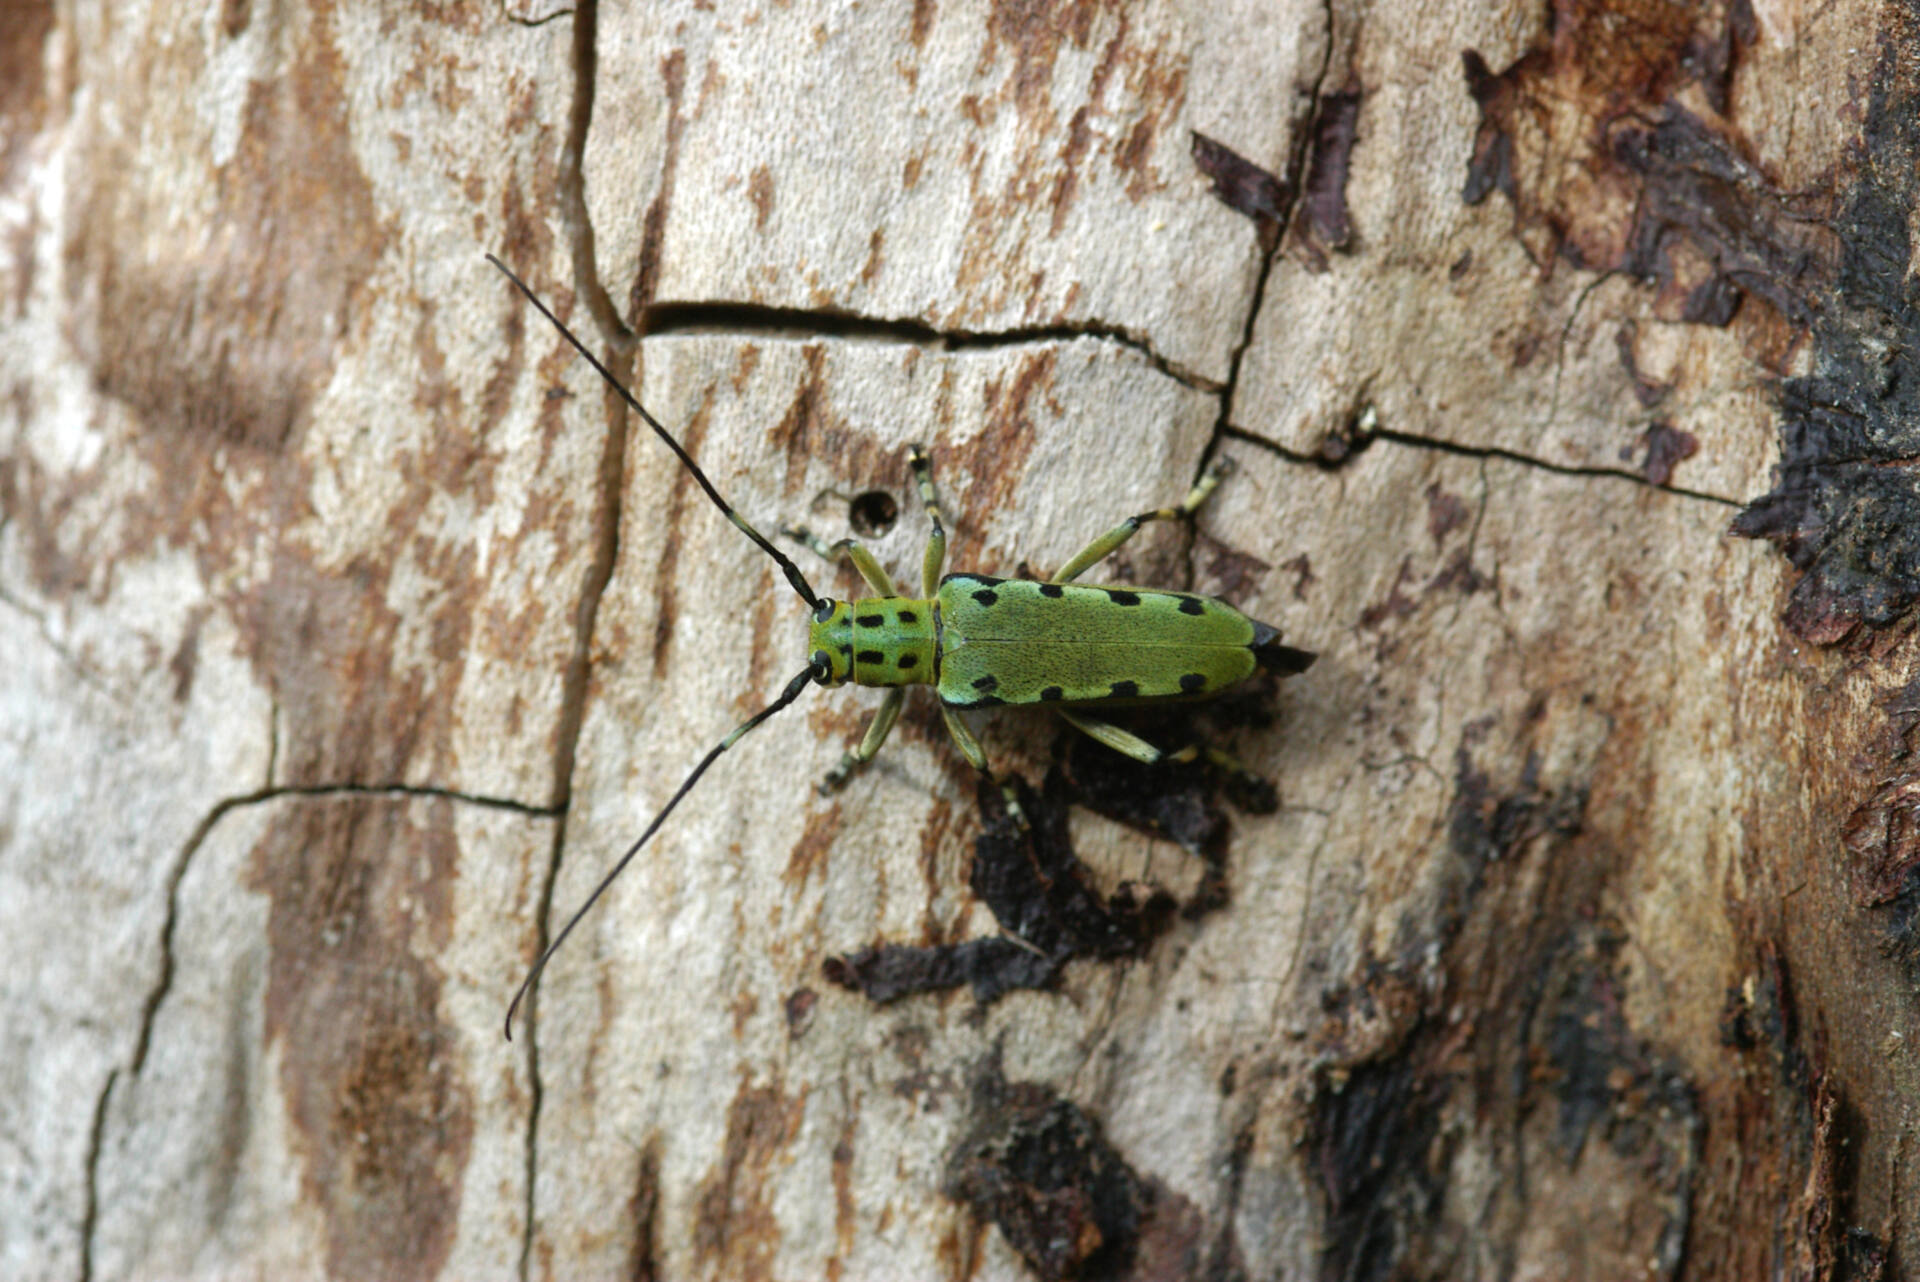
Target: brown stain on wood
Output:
[(1137, 88), (23, 90), (653, 233), (735, 1230), (760, 192), (692, 435), (643, 1212), (845, 1219), (219, 351), (231, 337), (360, 892), (809, 854)]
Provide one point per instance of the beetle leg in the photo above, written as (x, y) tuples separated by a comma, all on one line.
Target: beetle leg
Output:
[(869, 746), (1123, 741), (977, 758), (1107, 544), (871, 570), (937, 541), (963, 740)]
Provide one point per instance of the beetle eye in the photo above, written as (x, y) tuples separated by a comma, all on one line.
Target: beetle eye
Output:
[(825, 609)]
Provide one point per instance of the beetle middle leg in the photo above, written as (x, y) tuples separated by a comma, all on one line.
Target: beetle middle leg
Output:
[(1109, 543)]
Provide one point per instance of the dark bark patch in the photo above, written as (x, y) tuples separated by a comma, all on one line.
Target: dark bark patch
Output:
[(1037, 889), (1446, 512), (1040, 1170), (1666, 448), (1587, 137), (643, 1212), (1555, 129), (1322, 222), (1845, 507), (1238, 183)]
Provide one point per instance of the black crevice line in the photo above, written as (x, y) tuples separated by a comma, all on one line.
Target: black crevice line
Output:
[(535, 23), (395, 792), (163, 982), (756, 320), (610, 481), (96, 1140), (1223, 429), (1412, 441)]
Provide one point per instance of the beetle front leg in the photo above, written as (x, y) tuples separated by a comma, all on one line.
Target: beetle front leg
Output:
[(1109, 543), (871, 570), (936, 558), (869, 746)]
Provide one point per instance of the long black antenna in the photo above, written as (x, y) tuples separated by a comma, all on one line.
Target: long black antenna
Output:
[(787, 567), (787, 696)]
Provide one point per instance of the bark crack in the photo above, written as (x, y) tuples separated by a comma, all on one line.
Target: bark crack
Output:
[(541, 21), (1414, 441), (611, 484), (163, 983), (750, 320), (1273, 235), (84, 674), (96, 1139)]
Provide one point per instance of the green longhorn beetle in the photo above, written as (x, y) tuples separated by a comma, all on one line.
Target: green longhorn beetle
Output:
[(982, 642)]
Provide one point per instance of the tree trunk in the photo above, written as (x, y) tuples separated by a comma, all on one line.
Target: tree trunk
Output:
[(352, 629)]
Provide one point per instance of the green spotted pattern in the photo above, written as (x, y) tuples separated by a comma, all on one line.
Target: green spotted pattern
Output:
[(1014, 641)]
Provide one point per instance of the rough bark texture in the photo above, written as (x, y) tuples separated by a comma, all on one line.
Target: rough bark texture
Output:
[(350, 629)]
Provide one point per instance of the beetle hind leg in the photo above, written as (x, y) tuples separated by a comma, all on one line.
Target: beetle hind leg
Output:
[(1249, 791), (1125, 742)]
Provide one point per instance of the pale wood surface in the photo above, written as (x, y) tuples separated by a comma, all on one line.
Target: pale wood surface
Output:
[(337, 604)]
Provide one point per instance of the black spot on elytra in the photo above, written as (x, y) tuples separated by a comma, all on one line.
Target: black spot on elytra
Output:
[(1120, 596), (984, 701), (871, 656), (907, 661), (987, 684), (871, 620), (908, 616), (1053, 590), (1124, 689), (986, 596), (1191, 605), (1193, 683), (1051, 693)]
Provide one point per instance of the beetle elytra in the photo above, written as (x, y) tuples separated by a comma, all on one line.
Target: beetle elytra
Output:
[(982, 642)]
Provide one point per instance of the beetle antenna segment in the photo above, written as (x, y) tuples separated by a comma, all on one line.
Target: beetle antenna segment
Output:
[(787, 567), (787, 696)]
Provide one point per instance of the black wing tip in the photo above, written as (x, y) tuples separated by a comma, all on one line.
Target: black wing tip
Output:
[(1274, 657)]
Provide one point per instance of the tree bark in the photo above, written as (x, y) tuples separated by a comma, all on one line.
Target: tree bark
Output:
[(352, 628)]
